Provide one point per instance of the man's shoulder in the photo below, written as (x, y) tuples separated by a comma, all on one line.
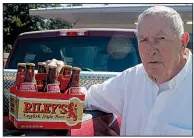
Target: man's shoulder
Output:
[(133, 72)]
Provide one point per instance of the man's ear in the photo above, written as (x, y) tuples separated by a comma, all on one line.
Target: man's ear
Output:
[(185, 39)]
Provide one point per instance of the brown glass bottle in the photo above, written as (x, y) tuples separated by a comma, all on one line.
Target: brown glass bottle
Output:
[(29, 72), (41, 67), (21, 72), (52, 74), (75, 77), (41, 84), (66, 70), (52, 80)]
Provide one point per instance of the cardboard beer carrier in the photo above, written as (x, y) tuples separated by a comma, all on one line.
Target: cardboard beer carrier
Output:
[(46, 103)]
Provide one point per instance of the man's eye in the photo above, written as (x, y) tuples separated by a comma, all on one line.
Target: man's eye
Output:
[(161, 38), (143, 40)]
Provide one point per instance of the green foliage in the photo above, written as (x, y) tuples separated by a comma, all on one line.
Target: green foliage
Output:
[(16, 20), (74, 4)]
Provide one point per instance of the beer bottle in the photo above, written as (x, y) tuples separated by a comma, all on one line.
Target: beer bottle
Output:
[(52, 74), (42, 70), (75, 77), (52, 80), (29, 84), (41, 67), (66, 74), (66, 70), (74, 87), (20, 74), (29, 73)]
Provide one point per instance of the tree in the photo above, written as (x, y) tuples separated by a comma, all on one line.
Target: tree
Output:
[(16, 20), (74, 4)]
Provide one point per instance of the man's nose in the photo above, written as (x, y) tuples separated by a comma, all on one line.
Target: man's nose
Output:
[(152, 53), (151, 50)]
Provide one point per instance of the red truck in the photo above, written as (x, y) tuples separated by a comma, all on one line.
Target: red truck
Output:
[(100, 53)]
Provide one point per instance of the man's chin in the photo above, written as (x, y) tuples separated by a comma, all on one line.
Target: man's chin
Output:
[(154, 73)]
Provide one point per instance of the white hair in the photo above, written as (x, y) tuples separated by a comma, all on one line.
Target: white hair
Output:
[(169, 14)]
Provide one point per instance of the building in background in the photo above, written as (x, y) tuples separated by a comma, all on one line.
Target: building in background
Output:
[(109, 16)]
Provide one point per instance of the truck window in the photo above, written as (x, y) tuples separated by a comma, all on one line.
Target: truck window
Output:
[(89, 53)]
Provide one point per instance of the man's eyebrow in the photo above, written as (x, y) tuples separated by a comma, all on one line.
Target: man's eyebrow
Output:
[(161, 33), (141, 37)]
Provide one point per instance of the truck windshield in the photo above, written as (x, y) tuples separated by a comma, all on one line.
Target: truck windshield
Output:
[(111, 54)]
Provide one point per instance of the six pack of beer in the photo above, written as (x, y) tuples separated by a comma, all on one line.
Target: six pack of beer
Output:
[(49, 99)]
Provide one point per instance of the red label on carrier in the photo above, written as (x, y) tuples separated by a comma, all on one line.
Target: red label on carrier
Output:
[(77, 90), (28, 87), (53, 88)]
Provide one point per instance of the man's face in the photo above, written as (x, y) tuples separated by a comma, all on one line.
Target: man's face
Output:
[(159, 47)]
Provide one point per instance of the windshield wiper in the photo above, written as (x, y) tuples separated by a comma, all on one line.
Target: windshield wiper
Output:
[(86, 69)]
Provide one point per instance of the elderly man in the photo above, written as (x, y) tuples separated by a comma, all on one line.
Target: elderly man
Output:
[(155, 97)]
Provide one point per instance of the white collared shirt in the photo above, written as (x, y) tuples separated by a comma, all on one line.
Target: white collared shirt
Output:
[(163, 87), (144, 111)]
